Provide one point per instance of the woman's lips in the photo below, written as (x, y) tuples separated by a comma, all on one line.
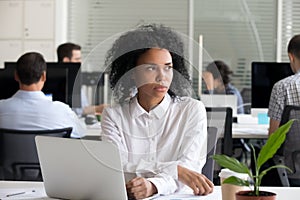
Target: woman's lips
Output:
[(161, 88)]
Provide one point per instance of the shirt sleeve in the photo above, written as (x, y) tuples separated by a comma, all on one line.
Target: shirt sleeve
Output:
[(240, 103), (79, 128), (84, 103), (192, 153), (276, 103)]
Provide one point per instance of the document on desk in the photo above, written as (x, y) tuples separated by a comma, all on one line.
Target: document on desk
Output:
[(20, 193)]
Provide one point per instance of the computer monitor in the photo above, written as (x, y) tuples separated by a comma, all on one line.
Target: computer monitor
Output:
[(8, 85), (263, 77), (60, 82)]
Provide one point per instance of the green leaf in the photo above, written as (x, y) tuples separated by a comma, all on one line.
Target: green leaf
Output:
[(273, 143), (273, 167), (236, 181), (231, 163)]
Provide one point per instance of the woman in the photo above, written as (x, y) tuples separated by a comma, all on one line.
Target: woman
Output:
[(160, 133), (217, 79)]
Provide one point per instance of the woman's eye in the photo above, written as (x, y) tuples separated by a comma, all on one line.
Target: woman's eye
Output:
[(168, 67), (151, 67)]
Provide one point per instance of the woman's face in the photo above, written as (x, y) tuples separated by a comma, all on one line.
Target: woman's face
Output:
[(154, 73)]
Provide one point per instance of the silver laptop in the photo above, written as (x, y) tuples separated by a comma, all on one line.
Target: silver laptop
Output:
[(220, 100), (80, 169)]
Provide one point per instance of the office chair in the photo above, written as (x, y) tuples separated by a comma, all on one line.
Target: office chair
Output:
[(18, 154), (208, 168), (289, 153), (221, 118), (246, 95)]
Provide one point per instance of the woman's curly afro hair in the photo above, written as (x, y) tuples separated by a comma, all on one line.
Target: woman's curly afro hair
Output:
[(126, 50)]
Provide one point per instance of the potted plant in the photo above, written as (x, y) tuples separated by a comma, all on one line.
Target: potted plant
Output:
[(267, 151)]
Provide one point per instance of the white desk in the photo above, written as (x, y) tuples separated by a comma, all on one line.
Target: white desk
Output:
[(13, 187), (248, 127), (254, 131), (10, 187), (239, 130)]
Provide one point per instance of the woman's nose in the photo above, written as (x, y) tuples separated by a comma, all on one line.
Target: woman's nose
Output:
[(160, 75)]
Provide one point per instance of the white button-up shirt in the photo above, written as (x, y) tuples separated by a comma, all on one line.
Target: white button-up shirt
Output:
[(152, 144)]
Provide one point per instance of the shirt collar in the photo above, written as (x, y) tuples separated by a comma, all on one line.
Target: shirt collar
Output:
[(137, 110), (32, 94)]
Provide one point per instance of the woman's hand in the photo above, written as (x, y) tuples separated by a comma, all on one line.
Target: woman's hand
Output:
[(199, 183), (98, 109), (140, 188)]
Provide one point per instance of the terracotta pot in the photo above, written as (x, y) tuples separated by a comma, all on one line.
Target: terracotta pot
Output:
[(242, 195)]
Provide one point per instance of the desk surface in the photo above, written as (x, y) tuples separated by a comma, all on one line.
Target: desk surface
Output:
[(12, 187), (249, 127), (239, 130)]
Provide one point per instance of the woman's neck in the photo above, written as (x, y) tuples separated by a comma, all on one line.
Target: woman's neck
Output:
[(148, 103)]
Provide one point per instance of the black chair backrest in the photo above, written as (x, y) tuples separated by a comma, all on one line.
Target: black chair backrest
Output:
[(18, 154), (212, 136), (290, 150), (246, 95), (221, 118)]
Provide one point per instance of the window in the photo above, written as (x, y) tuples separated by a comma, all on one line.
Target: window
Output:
[(237, 32), (94, 22), (290, 25)]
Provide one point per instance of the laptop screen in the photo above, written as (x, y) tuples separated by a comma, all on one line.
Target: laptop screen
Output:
[(80, 169)]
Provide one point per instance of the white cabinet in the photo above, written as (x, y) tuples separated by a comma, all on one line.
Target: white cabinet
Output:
[(39, 19), (26, 25), (11, 20)]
